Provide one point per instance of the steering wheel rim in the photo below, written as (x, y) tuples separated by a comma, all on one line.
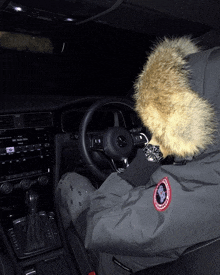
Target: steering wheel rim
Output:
[(86, 156)]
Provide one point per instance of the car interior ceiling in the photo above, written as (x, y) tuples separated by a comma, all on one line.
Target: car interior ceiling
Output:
[(58, 58)]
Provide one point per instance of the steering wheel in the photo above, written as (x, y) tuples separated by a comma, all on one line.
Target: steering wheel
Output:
[(116, 143)]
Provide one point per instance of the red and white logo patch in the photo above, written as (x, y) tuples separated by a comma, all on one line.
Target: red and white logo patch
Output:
[(162, 195)]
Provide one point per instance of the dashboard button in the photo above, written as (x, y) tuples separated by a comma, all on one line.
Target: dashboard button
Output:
[(6, 188)]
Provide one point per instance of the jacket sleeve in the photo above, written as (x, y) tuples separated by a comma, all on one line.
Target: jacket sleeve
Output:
[(178, 208), (139, 171)]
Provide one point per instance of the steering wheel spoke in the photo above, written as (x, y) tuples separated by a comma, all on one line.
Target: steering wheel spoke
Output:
[(96, 141), (139, 138), (124, 163)]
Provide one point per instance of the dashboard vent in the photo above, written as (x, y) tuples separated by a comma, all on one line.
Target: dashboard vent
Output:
[(38, 120), (6, 122)]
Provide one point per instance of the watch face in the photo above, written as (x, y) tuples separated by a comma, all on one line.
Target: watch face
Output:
[(153, 153)]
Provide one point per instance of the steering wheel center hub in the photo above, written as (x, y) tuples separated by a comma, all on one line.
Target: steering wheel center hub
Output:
[(118, 143), (122, 141)]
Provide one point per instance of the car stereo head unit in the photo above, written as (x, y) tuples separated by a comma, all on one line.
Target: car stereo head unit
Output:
[(25, 158)]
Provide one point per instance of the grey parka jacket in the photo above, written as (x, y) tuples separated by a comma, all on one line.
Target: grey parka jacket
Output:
[(180, 205)]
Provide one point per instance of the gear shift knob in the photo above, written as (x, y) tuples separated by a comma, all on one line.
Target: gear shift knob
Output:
[(32, 201)]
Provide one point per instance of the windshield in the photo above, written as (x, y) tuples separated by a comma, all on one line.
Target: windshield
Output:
[(90, 63), (93, 59)]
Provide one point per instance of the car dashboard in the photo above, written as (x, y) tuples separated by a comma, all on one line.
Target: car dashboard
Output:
[(38, 144), (29, 140)]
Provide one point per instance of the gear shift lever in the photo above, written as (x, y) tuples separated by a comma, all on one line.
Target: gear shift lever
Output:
[(35, 237), (35, 233), (32, 201)]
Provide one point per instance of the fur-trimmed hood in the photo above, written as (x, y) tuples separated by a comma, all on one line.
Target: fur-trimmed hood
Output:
[(181, 121)]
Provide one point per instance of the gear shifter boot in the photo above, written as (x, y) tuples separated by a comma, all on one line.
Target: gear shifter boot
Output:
[(34, 232)]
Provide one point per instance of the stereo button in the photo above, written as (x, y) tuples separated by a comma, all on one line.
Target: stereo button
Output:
[(2, 151), (25, 184), (6, 188), (43, 180), (46, 144), (31, 147)]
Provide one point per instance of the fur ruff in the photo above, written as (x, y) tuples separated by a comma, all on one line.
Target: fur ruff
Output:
[(180, 121)]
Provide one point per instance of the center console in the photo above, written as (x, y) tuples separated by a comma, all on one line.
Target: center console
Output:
[(30, 232), (26, 163)]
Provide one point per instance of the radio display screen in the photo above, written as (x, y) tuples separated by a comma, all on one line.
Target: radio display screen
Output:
[(24, 154)]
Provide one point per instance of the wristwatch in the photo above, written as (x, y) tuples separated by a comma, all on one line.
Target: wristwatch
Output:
[(153, 153)]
